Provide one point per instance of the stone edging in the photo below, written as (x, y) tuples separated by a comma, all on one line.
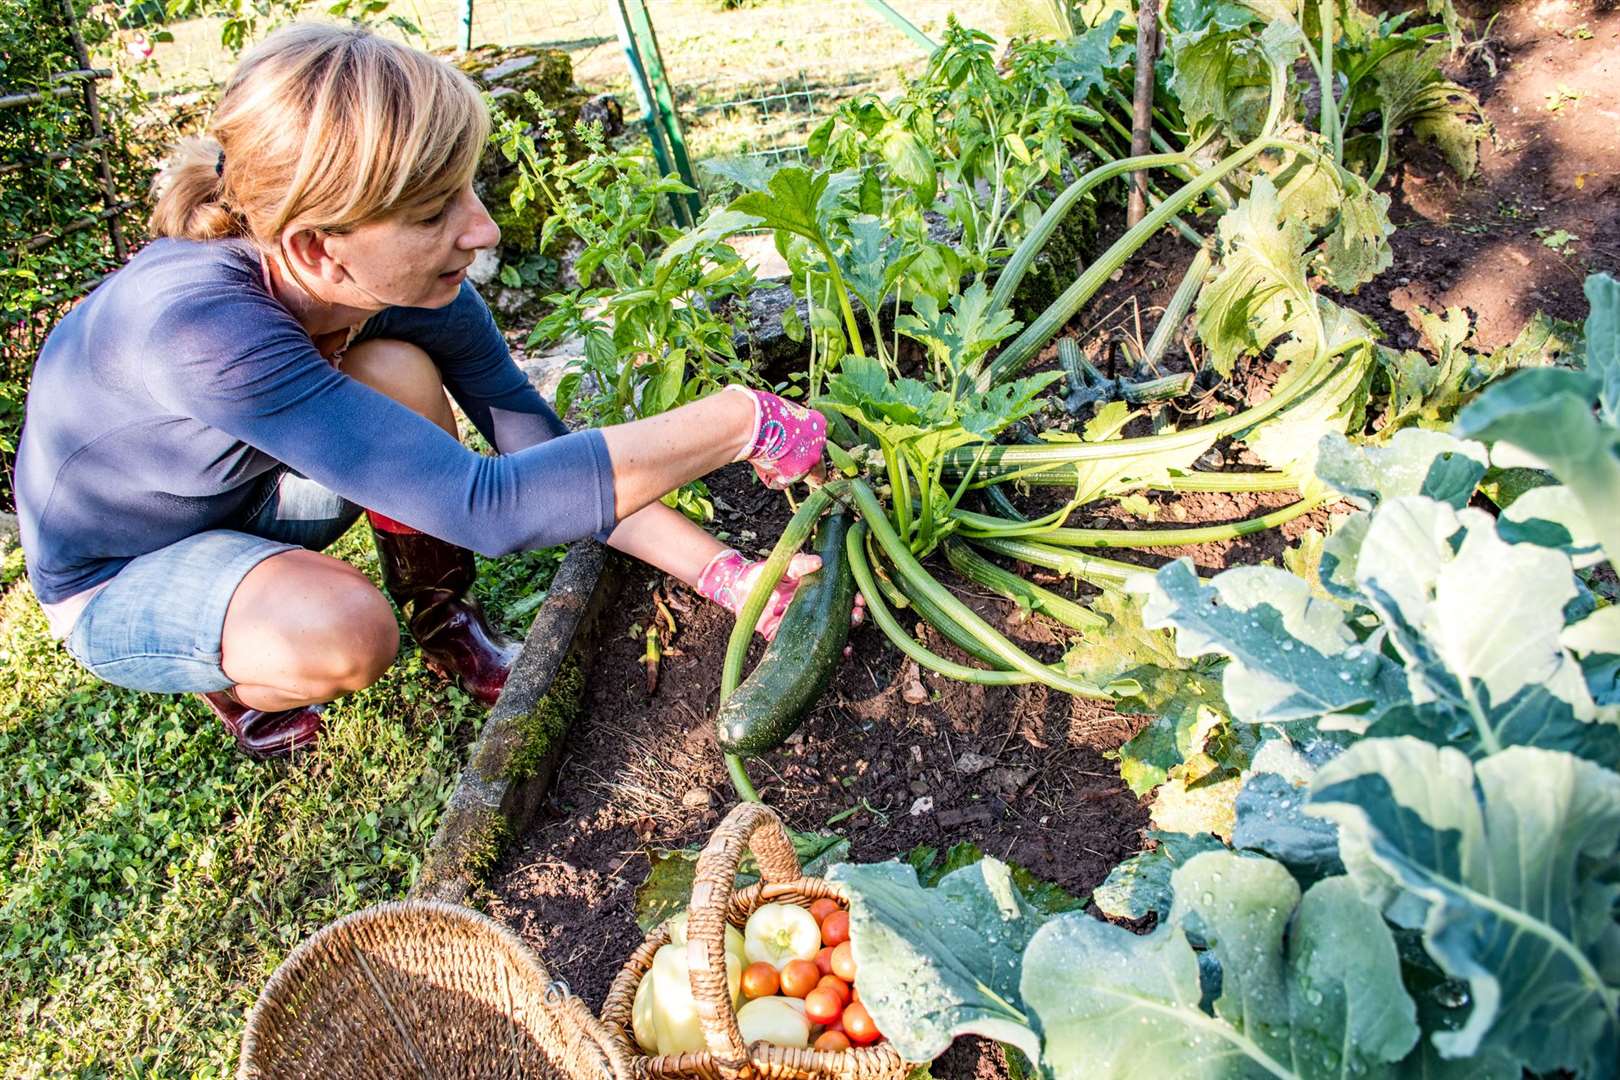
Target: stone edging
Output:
[(513, 759)]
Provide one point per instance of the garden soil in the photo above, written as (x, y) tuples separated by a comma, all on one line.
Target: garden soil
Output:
[(893, 758)]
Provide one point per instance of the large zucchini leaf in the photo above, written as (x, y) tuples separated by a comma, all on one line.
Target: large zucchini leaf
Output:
[(1511, 866)]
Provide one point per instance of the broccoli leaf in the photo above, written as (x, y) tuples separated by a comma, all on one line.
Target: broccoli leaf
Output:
[(1567, 422), (1509, 866), (1309, 986), (937, 963)]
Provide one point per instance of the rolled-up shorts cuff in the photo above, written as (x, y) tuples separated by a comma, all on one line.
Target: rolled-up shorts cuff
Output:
[(158, 626)]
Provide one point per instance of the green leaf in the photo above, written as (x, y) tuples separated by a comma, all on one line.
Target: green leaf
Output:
[(715, 228), (1509, 864), (790, 203), (1357, 250), (510, 276), (1412, 91), (1309, 987), (1271, 819), (1140, 886), (909, 161), (1221, 69), (941, 962), (1045, 897), (1415, 462), (1293, 656), (1425, 585), (1259, 292), (1087, 61)]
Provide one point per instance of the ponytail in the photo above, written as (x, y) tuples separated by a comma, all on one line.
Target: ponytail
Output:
[(189, 194)]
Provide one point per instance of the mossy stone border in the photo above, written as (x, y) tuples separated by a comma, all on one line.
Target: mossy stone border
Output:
[(514, 757)]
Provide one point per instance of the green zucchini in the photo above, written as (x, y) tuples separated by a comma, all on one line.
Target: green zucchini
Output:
[(798, 664)]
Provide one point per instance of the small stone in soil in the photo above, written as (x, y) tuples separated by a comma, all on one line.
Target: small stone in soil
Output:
[(1009, 780), (697, 798), (924, 805), (971, 764)]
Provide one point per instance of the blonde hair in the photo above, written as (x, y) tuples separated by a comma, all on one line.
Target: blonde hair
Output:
[(327, 127)]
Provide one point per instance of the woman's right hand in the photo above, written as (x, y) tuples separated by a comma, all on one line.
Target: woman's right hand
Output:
[(788, 439)]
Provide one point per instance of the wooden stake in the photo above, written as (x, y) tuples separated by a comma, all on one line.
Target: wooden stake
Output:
[(1147, 48)]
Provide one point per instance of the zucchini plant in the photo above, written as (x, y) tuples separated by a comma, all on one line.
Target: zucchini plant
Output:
[(923, 445), (1419, 876)]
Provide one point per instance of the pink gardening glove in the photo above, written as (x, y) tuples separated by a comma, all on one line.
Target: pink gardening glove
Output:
[(788, 439), (730, 577)]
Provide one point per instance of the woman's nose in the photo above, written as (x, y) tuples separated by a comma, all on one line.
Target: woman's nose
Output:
[(481, 231)]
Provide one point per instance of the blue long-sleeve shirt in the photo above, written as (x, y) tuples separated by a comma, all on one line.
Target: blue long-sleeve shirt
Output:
[(160, 402)]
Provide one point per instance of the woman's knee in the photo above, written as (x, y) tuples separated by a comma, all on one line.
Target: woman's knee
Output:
[(305, 620), (404, 372), (363, 636)]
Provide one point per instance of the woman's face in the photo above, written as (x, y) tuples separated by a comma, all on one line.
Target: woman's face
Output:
[(417, 258)]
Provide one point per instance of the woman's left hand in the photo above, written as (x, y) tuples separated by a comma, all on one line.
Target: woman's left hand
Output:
[(787, 441), (730, 577)]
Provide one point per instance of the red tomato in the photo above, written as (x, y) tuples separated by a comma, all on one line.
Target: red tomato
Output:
[(823, 1005), (823, 908), (832, 1040), (799, 977), (837, 986), (843, 962), (760, 980), (835, 928), (859, 1027), (824, 960)]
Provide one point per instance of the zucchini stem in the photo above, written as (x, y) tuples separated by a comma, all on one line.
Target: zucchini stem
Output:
[(855, 545), (923, 584)]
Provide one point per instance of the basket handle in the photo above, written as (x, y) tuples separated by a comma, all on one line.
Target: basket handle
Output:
[(749, 826)]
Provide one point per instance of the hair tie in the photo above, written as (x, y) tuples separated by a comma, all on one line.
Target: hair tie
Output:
[(219, 165)]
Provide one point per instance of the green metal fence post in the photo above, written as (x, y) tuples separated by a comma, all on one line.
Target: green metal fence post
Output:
[(644, 100), (466, 25), (641, 30)]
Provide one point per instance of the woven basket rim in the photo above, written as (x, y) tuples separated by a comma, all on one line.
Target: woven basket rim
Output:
[(399, 912)]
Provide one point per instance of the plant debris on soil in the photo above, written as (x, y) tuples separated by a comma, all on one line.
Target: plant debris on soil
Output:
[(893, 758)]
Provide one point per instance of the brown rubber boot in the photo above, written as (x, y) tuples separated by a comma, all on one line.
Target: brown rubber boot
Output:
[(429, 579), (263, 735)]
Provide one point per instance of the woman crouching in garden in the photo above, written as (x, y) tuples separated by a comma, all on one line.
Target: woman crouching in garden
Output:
[(228, 403)]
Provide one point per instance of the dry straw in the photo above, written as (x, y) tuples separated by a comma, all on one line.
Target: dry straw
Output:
[(422, 989), (716, 903)]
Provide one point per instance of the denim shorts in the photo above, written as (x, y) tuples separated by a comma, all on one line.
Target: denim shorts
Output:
[(158, 625)]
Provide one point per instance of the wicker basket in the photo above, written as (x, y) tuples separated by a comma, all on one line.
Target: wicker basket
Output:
[(714, 904), (422, 989)]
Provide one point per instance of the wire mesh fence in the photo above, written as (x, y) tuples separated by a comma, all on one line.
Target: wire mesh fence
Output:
[(751, 80)]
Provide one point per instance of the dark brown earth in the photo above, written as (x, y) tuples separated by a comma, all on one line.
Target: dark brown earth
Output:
[(884, 745)]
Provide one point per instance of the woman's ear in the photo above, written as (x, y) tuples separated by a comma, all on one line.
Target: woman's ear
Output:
[(310, 254)]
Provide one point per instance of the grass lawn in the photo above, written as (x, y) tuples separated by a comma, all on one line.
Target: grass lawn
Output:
[(151, 878)]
